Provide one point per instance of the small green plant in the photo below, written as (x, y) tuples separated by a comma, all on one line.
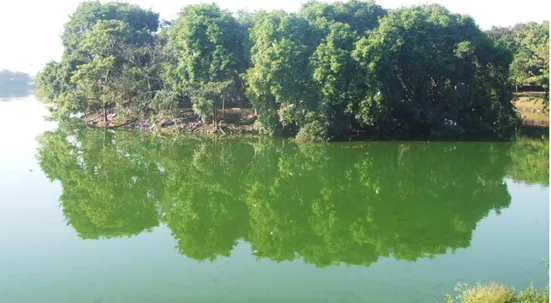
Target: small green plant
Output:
[(496, 293), (545, 262)]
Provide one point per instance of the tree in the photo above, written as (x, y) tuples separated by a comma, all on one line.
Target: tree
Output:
[(430, 72), (94, 86), (208, 45), (337, 26), (336, 73), (529, 44), (321, 73), (88, 13), (94, 80), (361, 16), (279, 82), (50, 82), (205, 98), (107, 60)]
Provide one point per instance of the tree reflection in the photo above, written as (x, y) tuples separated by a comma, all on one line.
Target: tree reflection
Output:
[(345, 203), (201, 196), (107, 190), (530, 161), (353, 203)]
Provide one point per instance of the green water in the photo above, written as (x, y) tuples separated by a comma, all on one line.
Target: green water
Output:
[(93, 216)]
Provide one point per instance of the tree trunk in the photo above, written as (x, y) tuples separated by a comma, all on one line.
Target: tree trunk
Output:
[(223, 106), (104, 117), (214, 118), (149, 92)]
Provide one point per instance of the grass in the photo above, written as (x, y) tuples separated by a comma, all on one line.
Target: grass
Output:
[(497, 293)]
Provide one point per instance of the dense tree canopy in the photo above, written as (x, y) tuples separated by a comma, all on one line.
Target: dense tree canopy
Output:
[(108, 52), (326, 204), (320, 73), (209, 47), (429, 71)]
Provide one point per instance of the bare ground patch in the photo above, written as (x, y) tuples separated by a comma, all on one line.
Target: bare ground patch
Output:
[(232, 121)]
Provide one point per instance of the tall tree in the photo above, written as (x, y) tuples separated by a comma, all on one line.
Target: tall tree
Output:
[(279, 82), (106, 56), (208, 45), (317, 74), (430, 72)]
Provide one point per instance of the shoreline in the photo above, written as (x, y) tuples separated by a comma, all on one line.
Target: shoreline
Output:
[(182, 120), (240, 121), (235, 121)]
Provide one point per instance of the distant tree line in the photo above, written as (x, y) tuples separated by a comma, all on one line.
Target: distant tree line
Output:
[(319, 73), (15, 83)]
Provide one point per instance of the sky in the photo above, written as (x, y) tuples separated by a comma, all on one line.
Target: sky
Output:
[(30, 30)]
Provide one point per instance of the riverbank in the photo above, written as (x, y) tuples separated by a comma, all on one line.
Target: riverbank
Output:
[(182, 120), (529, 106), (241, 121)]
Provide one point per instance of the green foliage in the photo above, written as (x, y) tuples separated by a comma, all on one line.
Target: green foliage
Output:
[(209, 47), (89, 13), (331, 69), (205, 96), (50, 82), (338, 77), (314, 131), (361, 16), (278, 82), (497, 293), (109, 51), (92, 81), (529, 43), (426, 68), (301, 66)]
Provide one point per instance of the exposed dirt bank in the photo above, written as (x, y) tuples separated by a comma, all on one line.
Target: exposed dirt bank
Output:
[(232, 121)]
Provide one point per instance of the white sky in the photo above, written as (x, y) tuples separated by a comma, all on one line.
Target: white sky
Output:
[(30, 29)]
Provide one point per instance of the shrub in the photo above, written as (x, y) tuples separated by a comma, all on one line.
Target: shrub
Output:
[(312, 132)]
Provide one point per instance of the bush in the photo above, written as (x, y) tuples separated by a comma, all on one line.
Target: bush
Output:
[(266, 124), (313, 132)]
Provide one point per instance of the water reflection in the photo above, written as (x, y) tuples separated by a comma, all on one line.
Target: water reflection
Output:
[(13, 95), (530, 162), (345, 203), (15, 85)]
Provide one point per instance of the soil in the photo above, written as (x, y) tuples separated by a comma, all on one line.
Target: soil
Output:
[(232, 121)]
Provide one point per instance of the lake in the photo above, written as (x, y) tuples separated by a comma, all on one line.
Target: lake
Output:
[(94, 216)]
